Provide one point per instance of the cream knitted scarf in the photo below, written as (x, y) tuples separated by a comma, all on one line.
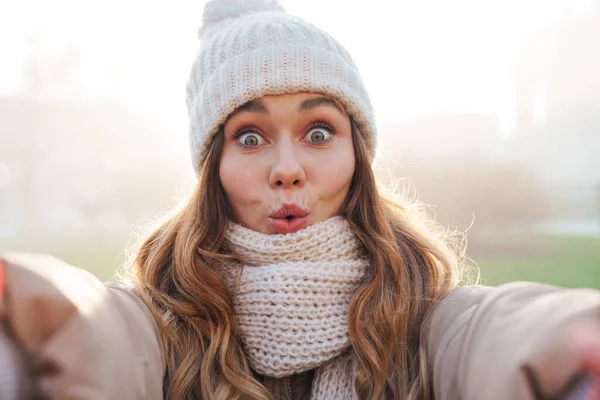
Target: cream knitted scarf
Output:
[(291, 300)]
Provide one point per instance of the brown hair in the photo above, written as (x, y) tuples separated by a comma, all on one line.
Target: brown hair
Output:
[(410, 272)]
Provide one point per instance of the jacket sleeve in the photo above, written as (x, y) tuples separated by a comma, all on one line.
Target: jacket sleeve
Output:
[(508, 342), (86, 340)]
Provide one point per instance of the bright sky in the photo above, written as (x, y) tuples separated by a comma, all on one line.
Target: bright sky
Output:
[(417, 57)]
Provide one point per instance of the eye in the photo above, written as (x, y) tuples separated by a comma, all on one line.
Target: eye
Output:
[(319, 134), (250, 139)]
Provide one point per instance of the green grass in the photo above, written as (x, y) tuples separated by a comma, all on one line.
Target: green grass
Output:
[(101, 259), (557, 260), (101, 256)]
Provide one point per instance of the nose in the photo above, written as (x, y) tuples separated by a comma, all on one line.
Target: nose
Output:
[(287, 171)]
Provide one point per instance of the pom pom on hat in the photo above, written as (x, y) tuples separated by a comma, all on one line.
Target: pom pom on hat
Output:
[(216, 11)]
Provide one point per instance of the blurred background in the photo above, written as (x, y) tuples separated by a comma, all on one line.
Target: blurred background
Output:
[(488, 110)]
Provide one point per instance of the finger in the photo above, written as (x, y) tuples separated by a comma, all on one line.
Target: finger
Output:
[(590, 355), (595, 389), (585, 341)]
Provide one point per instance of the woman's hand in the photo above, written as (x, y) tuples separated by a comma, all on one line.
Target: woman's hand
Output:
[(586, 343)]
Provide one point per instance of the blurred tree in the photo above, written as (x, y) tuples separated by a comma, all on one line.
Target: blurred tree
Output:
[(43, 77), (86, 162), (466, 190)]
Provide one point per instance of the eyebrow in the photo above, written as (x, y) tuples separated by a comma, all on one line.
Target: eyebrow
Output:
[(257, 106), (310, 104), (253, 106)]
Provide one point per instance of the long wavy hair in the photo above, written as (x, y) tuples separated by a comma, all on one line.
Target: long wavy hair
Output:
[(412, 269)]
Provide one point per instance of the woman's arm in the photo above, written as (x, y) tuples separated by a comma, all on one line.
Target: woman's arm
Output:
[(85, 340), (509, 342)]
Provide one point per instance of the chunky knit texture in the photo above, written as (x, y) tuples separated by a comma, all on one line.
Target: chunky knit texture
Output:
[(250, 49), (291, 300)]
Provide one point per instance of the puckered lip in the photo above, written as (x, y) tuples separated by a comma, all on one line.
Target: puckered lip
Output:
[(289, 211)]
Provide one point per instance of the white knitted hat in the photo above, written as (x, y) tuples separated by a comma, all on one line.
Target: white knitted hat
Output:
[(252, 48)]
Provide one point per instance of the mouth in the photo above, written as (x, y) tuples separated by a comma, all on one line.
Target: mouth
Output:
[(289, 218)]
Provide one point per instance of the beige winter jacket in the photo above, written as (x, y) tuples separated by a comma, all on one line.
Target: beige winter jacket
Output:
[(102, 343)]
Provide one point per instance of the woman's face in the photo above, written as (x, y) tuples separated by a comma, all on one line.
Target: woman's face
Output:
[(287, 161)]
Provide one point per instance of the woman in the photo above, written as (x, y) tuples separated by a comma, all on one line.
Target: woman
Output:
[(286, 274)]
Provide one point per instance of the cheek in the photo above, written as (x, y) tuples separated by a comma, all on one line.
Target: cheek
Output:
[(334, 175), (239, 180)]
